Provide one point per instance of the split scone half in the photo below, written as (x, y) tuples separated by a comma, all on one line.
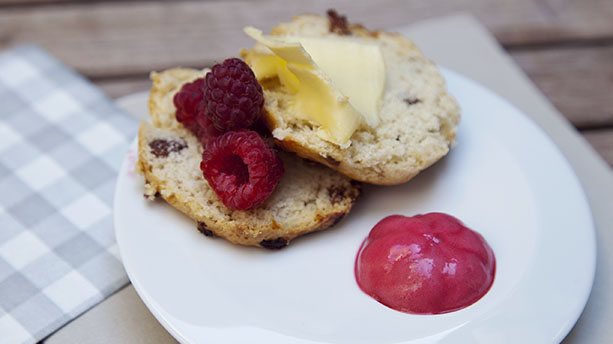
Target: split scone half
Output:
[(309, 197), (418, 119)]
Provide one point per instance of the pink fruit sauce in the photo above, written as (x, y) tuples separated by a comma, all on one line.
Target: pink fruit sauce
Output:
[(425, 264)]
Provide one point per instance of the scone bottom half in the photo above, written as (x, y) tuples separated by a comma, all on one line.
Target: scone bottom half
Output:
[(309, 198)]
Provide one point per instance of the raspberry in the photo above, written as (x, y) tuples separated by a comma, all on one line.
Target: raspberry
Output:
[(190, 111), (206, 130), (241, 168), (188, 103), (233, 97)]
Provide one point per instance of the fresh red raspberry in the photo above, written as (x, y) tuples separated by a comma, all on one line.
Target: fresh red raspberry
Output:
[(241, 168), (188, 103), (206, 130), (190, 111), (233, 97)]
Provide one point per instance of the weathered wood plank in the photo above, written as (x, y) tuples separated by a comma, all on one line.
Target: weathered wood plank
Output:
[(602, 141), (578, 81), (27, 2), (7, 3), (134, 37), (561, 21)]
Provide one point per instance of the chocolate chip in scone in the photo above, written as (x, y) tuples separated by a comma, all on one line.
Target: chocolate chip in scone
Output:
[(202, 229), (338, 23), (336, 194), (161, 148), (354, 194), (274, 244), (151, 198), (411, 101)]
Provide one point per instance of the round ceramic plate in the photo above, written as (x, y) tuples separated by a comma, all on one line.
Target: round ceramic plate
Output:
[(504, 178)]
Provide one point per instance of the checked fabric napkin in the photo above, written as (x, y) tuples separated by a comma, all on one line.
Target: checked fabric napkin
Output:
[(61, 144)]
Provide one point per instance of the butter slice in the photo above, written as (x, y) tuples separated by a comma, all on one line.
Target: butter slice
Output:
[(318, 95), (356, 69)]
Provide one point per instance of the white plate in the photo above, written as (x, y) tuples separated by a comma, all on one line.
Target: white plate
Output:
[(504, 179)]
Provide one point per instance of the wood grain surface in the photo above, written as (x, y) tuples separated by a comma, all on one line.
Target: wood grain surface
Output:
[(602, 141), (578, 80), (565, 46)]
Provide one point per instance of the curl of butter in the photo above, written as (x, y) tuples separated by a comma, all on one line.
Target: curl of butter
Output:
[(337, 83)]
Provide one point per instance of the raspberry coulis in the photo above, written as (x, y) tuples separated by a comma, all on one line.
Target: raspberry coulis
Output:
[(425, 264)]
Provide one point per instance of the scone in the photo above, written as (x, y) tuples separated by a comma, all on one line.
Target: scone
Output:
[(309, 197), (417, 117)]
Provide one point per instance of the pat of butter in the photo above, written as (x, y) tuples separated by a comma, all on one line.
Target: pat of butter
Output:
[(356, 69), (337, 83)]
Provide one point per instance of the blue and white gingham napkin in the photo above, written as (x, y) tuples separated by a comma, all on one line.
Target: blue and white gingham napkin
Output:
[(61, 144)]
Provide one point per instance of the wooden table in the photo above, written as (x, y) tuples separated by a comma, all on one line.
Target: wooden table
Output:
[(565, 46)]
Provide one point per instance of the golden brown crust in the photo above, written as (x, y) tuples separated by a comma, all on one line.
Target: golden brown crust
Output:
[(380, 178)]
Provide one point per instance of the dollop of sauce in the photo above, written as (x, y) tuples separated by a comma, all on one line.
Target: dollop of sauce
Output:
[(425, 264)]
